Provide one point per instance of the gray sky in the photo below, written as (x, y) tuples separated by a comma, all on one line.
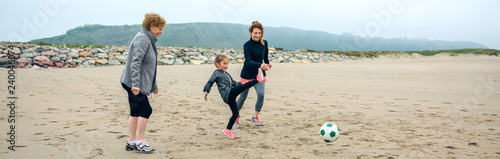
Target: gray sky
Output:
[(455, 20)]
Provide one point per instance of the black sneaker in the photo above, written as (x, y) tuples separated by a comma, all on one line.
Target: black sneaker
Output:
[(129, 147)]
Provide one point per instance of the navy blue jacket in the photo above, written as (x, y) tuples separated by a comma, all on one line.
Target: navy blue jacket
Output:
[(255, 55)]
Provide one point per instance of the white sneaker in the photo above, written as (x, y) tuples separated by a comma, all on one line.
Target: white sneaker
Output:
[(144, 146)]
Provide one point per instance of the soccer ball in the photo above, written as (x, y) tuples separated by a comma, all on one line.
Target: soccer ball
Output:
[(329, 132)]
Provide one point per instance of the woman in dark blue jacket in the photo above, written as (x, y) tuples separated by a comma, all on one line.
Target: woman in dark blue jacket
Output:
[(256, 56)]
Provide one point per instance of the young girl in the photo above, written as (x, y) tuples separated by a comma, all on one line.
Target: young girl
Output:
[(228, 89)]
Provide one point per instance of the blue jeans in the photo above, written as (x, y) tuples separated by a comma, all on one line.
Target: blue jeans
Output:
[(260, 89)]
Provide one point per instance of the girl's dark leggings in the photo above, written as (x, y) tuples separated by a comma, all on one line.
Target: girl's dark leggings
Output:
[(231, 101)]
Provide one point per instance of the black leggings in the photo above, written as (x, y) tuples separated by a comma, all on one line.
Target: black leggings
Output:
[(139, 104), (231, 101)]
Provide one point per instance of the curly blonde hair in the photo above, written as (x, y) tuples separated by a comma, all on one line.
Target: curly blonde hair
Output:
[(256, 24), (153, 19)]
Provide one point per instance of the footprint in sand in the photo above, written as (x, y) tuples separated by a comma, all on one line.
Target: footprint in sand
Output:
[(323, 94), (121, 136), (113, 132), (80, 123), (153, 131), (96, 152)]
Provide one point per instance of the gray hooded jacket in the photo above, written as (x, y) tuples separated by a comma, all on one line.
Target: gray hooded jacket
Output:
[(140, 67)]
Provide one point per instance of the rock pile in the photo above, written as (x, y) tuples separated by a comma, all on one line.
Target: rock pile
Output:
[(36, 56)]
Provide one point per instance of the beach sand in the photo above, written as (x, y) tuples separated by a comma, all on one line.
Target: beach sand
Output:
[(423, 107)]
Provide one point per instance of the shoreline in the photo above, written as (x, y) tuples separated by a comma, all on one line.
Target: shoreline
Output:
[(35, 56)]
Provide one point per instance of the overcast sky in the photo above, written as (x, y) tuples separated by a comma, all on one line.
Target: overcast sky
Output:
[(455, 20)]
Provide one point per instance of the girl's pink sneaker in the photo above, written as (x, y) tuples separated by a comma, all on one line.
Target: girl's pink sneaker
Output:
[(228, 133)]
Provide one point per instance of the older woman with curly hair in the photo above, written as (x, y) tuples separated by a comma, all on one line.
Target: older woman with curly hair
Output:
[(139, 79)]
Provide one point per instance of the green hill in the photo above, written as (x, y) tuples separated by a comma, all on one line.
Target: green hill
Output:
[(223, 35)]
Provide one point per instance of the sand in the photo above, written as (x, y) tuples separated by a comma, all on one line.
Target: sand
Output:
[(424, 107)]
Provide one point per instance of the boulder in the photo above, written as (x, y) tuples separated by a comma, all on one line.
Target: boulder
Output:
[(114, 62), (24, 60), (230, 57), (78, 62), (90, 62), (41, 58), (75, 51), (63, 57), (113, 54), (49, 53), (169, 56), (73, 55), (94, 51), (46, 63), (281, 59), (240, 60), (166, 62), (121, 58), (239, 56), (102, 55), (64, 51), (197, 62), (101, 61), (4, 61), (178, 61), (54, 48), (35, 67), (27, 55), (295, 60), (162, 53), (85, 54), (16, 50), (305, 61), (204, 58), (100, 50), (191, 53), (120, 49), (31, 49), (85, 64), (194, 58), (59, 64), (42, 50), (71, 64), (55, 59)]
